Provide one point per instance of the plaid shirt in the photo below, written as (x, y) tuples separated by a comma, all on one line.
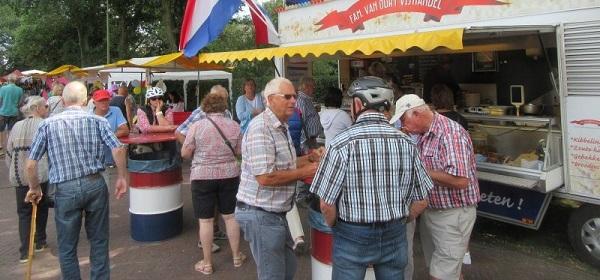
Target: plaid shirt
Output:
[(196, 115), (266, 147), (310, 117), (447, 147), (74, 140), (372, 171)]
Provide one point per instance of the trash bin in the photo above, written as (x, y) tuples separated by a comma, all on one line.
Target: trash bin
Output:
[(322, 246), (155, 202)]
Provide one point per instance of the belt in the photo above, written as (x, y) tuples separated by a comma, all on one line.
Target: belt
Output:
[(243, 205), (376, 224)]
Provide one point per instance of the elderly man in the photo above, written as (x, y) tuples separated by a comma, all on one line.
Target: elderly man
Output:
[(447, 152), (10, 98), (270, 170), (115, 118), (74, 141), (310, 118), (372, 177)]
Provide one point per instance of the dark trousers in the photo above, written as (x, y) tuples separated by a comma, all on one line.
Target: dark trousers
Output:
[(24, 212)]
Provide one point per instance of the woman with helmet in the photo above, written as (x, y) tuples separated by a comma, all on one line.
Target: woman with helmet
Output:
[(155, 117)]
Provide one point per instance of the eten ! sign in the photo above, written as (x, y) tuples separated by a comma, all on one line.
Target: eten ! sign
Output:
[(512, 205)]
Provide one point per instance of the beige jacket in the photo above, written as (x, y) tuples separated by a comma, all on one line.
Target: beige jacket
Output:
[(17, 152)]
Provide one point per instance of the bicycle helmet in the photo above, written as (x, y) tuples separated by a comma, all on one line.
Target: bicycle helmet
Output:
[(373, 92), (154, 92)]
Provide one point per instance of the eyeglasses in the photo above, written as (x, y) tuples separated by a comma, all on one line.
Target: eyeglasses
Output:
[(287, 96), (155, 98)]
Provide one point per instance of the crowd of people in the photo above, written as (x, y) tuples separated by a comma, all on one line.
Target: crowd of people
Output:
[(375, 172)]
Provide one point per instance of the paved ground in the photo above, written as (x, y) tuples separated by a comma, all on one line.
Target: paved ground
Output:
[(174, 258)]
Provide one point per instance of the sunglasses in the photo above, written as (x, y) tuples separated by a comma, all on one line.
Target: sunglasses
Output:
[(155, 98), (287, 96)]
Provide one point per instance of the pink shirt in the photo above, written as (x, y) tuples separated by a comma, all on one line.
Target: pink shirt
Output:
[(447, 147), (213, 159), (142, 120)]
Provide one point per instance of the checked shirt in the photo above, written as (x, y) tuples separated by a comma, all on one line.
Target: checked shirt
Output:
[(372, 171), (74, 140)]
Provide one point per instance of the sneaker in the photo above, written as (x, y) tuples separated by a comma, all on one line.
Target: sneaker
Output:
[(40, 247), (467, 258), (23, 259), (219, 235), (215, 247)]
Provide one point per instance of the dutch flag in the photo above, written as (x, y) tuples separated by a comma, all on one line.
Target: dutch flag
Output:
[(263, 26)]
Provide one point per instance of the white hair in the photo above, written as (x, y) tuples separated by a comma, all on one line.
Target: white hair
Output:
[(75, 93), (57, 89), (218, 89), (274, 87), (12, 78), (31, 104)]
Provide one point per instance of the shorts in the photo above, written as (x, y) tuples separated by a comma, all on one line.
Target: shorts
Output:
[(445, 237), (206, 194), (7, 122)]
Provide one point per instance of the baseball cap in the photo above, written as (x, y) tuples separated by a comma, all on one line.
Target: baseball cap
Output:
[(404, 104), (101, 94)]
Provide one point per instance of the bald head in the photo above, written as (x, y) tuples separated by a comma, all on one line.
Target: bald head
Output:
[(75, 93)]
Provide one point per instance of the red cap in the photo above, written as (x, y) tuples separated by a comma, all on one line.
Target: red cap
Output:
[(101, 94)]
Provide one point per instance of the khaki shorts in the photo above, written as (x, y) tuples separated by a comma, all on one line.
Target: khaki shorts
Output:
[(445, 238)]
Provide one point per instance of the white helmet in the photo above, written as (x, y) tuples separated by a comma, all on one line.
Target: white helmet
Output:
[(154, 92), (373, 91)]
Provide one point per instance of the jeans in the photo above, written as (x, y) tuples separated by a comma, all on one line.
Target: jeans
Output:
[(74, 198), (356, 246), (24, 212), (270, 243)]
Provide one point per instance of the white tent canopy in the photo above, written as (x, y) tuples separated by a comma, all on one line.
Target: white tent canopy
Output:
[(118, 75)]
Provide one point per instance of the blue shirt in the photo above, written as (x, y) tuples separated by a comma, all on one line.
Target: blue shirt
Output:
[(244, 108), (74, 141), (114, 116), (10, 95), (196, 115)]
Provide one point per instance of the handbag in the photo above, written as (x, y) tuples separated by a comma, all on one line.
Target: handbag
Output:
[(227, 142)]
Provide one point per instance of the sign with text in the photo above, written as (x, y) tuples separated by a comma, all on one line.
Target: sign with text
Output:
[(513, 205), (583, 145), (339, 20), (363, 10)]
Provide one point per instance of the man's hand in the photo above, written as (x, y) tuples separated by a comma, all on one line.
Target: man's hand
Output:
[(120, 187), (309, 169), (34, 195), (329, 213), (316, 154)]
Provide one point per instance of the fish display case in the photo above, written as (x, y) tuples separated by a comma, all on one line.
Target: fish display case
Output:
[(519, 151)]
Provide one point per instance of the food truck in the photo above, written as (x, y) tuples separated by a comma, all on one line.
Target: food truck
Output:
[(528, 80)]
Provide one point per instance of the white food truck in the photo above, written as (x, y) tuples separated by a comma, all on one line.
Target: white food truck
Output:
[(543, 52)]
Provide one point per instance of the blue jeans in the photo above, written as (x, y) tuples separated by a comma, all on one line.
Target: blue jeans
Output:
[(83, 196), (270, 242), (355, 247)]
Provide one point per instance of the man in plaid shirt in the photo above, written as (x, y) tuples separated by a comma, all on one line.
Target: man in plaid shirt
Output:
[(371, 181), (447, 152)]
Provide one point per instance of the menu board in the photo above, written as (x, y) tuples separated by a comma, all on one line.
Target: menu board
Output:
[(583, 145)]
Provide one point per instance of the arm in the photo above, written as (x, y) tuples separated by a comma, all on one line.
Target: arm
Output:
[(189, 144), (416, 208), (34, 195), (119, 155), (179, 136), (284, 177), (329, 212), (122, 130), (447, 180), (314, 156)]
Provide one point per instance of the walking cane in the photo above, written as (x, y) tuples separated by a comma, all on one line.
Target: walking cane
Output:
[(31, 240)]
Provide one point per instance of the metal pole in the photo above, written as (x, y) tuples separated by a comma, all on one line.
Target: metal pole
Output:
[(107, 37)]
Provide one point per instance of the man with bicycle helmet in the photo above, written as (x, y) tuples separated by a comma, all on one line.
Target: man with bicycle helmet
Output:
[(371, 182)]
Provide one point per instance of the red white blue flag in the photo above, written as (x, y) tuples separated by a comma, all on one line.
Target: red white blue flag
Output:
[(263, 26), (203, 21)]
